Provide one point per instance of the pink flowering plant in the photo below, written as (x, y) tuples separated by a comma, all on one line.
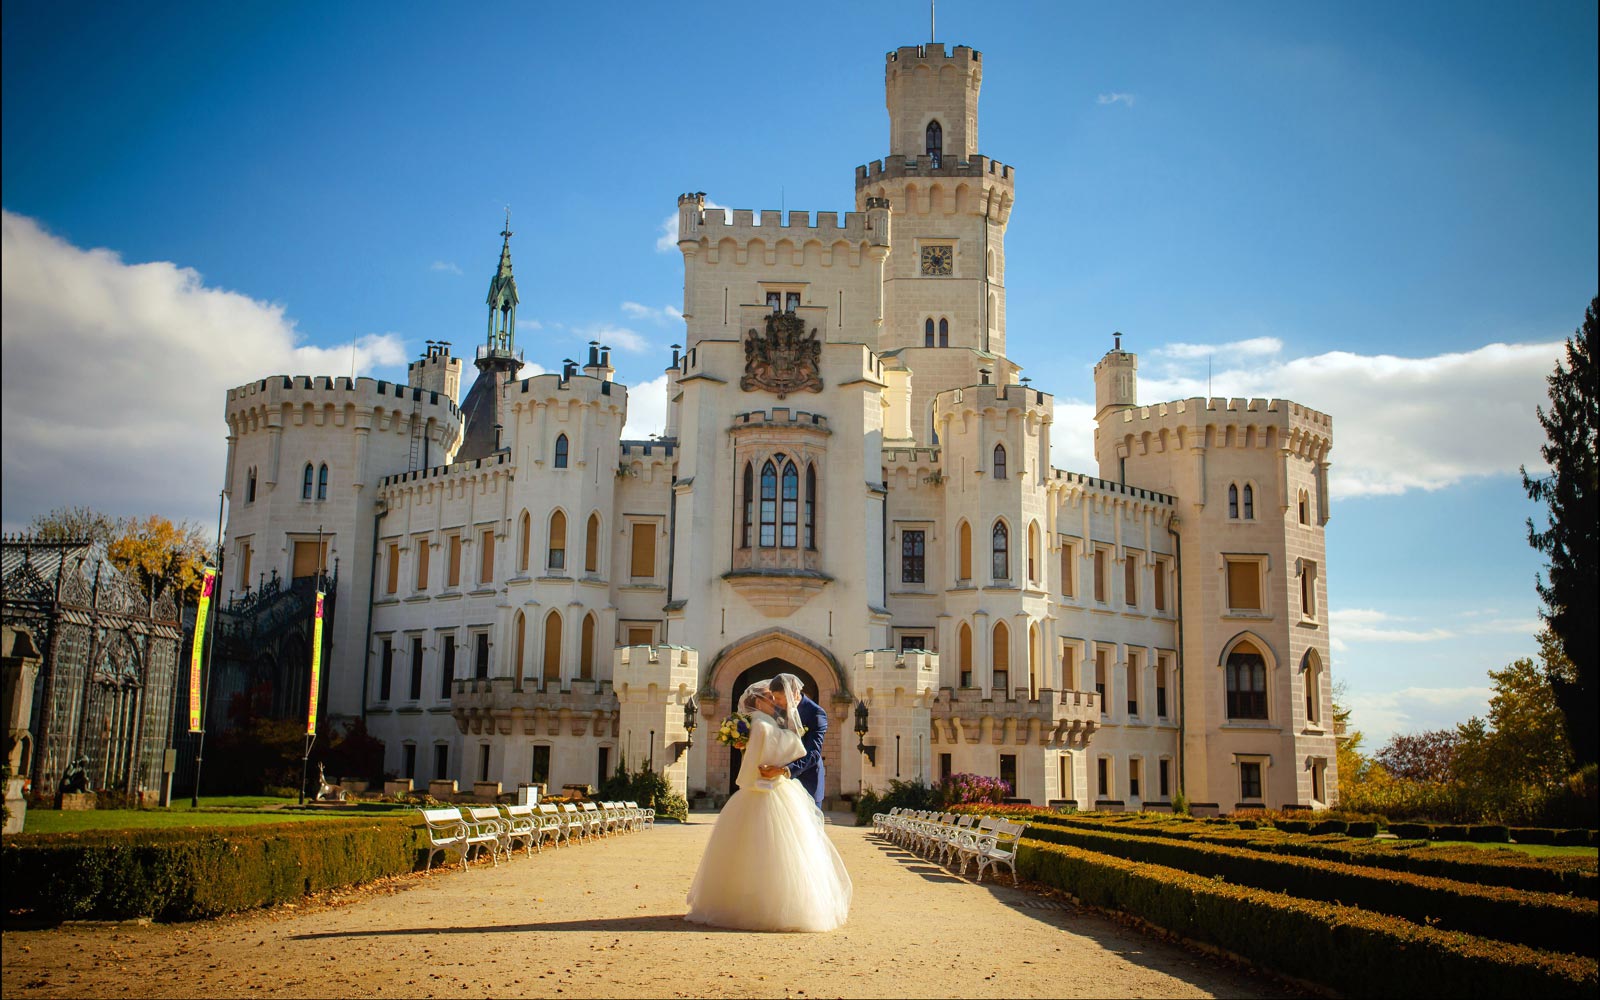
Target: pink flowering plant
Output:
[(959, 789)]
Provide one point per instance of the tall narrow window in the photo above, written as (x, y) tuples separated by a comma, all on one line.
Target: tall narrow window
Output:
[(791, 301), (519, 659), (1247, 683), (322, 482), (250, 488), (1133, 777), (1069, 570), (1002, 657), (480, 662), (1233, 501), (453, 576), (1313, 685), (1308, 589), (964, 654), (912, 556), (1133, 684), (561, 451), (556, 558), (791, 504), (811, 507), (1305, 502), (441, 761), (385, 669), (935, 143), (927, 333), (964, 551), (1250, 779), (420, 546), (1100, 658), (1249, 502), (1001, 549), (483, 762), (541, 764), (1130, 580), (1161, 687), (1159, 585), (1033, 552), (586, 650), (944, 333), (1000, 461), (447, 664), (775, 301), (524, 540), (591, 545), (1069, 667), (769, 504), (642, 562), (486, 556), (1100, 576), (392, 579), (749, 505), (244, 566), (416, 668), (305, 482), (551, 670)]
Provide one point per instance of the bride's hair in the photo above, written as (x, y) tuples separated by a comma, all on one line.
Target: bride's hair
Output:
[(786, 684)]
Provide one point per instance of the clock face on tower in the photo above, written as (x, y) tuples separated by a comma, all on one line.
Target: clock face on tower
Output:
[(937, 258)]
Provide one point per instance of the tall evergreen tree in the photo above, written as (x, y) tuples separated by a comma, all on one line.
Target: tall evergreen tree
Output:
[(1571, 537)]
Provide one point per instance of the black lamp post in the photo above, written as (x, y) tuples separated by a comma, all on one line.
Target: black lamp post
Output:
[(861, 734)]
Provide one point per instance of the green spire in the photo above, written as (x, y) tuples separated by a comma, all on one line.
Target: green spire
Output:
[(503, 297)]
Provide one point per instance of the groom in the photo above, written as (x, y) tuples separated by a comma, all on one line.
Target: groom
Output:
[(810, 769)]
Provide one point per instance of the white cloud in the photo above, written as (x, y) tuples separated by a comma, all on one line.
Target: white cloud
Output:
[(1072, 437), (647, 409), (667, 235), (665, 314), (1399, 423), (449, 267), (115, 375), (619, 337), (529, 370), (1369, 625), (1115, 97), (1253, 347), (1381, 714)]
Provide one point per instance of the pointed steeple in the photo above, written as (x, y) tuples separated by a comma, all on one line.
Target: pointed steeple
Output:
[(502, 299)]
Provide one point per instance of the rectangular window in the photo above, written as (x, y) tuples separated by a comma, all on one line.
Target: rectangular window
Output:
[(453, 579), (1134, 767), (244, 566), (603, 764), (421, 547), (946, 766), (913, 550), (408, 758), (1069, 668), (912, 642), (642, 565), (1102, 777), (1159, 585), (392, 576), (480, 665), (1161, 687), (447, 664), (483, 762), (306, 562), (1318, 777), (1130, 580), (1008, 772), (416, 668), (1244, 585), (1069, 569), (486, 556), (1100, 678), (1249, 779), (385, 669), (641, 636), (441, 762), (1100, 576), (1133, 683), (1308, 589), (1161, 771), (541, 764)]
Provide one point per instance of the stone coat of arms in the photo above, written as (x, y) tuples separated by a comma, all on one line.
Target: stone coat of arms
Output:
[(783, 360)]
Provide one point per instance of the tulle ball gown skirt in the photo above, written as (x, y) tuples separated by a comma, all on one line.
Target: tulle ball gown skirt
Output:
[(769, 866)]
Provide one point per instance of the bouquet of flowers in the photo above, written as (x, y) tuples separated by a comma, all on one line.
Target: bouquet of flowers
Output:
[(734, 731)]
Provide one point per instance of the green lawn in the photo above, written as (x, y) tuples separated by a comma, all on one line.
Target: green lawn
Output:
[(218, 811), (1537, 850)]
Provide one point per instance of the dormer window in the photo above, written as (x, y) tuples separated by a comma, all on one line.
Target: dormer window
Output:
[(935, 144)]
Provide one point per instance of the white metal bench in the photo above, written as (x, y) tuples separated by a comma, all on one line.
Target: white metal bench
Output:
[(522, 824), (575, 823), (486, 827), (999, 847), (552, 823), (447, 831), (593, 819)]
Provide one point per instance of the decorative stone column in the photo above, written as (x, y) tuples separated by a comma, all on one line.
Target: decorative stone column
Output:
[(19, 664)]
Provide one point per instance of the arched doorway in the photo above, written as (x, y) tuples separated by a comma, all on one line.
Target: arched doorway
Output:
[(765, 655), (764, 671)]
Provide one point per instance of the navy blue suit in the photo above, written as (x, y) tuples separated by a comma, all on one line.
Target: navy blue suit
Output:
[(810, 770)]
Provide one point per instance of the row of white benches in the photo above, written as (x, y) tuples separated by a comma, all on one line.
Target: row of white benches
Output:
[(949, 838), (497, 829)]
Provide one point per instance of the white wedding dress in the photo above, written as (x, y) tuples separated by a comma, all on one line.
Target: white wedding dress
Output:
[(769, 865)]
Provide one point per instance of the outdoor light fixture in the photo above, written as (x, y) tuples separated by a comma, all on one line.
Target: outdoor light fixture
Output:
[(691, 708), (861, 734)]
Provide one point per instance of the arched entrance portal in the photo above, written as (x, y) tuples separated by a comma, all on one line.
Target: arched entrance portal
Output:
[(761, 657), (763, 671)]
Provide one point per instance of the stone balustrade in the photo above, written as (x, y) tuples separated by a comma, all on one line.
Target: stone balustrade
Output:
[(1054, 718)]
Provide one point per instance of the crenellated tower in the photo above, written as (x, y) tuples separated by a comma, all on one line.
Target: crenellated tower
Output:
[(499, 360)]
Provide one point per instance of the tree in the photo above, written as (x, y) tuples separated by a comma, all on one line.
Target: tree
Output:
[(1571, 537), (160, 554), (73, 523), (1524, 742), (1428, 756)]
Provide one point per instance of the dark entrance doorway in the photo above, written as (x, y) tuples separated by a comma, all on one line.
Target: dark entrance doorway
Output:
[(763, 671)]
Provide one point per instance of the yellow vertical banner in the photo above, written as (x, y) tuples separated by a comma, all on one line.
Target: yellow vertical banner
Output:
[(316, 667), (207, 586)]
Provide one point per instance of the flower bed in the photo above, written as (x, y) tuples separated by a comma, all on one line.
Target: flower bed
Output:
[(1542, 920), (193, 873), (1351, 950)]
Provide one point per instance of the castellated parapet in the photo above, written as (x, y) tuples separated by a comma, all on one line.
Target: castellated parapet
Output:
[(713, 228), (436, 371), (924, 83), (1218, 422)]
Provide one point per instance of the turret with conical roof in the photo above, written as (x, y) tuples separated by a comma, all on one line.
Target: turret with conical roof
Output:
[(498, 361)]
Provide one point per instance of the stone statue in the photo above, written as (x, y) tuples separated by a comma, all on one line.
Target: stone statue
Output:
[(325, 791), (76, 777)]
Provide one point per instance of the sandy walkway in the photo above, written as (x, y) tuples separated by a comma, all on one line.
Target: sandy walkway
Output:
[(603, 919)]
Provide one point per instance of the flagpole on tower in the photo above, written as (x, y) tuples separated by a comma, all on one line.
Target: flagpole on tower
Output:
[(932, 21)]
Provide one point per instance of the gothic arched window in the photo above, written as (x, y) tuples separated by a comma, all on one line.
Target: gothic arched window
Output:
[(944, 333), (1001, 547), (561, 451), (1247, 683), (1233, 501), (306, 481), (769, 504), (322, 482), (791, 506), (935, 142), (1000, 461), (556, 553), (1249, 502), (927, 333), (811, 507), (250, 486), (749, 505)]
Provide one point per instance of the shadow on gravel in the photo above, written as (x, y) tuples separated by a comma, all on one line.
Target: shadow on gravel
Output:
[(659, 923)]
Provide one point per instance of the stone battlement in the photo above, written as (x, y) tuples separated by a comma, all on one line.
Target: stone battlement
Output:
[(1093, 484), (781, 416), (933, 54), (323, 389), (1200, 408), (994, 396), (440, 472), (895, 167), (744, 226), (552, 384)]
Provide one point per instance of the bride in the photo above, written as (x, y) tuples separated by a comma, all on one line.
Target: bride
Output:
[(769, 865)]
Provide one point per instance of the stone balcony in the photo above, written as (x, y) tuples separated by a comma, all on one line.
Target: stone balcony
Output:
[(1064, 719), (494, 705)]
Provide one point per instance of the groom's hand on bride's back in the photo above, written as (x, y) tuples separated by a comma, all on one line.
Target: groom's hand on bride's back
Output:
[(769, 772)]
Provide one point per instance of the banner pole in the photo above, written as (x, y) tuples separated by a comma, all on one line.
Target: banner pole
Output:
[(211, 642)]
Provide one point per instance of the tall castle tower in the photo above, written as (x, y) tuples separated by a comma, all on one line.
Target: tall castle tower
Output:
[(945, 285), (498, 362)]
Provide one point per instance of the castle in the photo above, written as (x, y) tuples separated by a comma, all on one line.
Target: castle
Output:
[(854, 485)]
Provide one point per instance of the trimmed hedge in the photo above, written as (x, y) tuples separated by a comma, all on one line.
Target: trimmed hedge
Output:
[(1506, 868), (1543, 920), (192, 873), (1349, 949)]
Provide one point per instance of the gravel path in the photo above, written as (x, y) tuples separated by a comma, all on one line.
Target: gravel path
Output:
[(604, 919)]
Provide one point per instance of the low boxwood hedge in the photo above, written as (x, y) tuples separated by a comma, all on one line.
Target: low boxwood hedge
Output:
[(1354, 951), (1507, 868), (192, 873), (1543, 920)]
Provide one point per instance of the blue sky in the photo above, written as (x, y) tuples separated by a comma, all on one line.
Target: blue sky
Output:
[(1350, 205)]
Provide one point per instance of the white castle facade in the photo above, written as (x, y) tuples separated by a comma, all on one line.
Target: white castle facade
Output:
[(854, 484)]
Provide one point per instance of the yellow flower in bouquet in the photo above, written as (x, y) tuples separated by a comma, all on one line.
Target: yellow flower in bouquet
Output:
[(734, 731)]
